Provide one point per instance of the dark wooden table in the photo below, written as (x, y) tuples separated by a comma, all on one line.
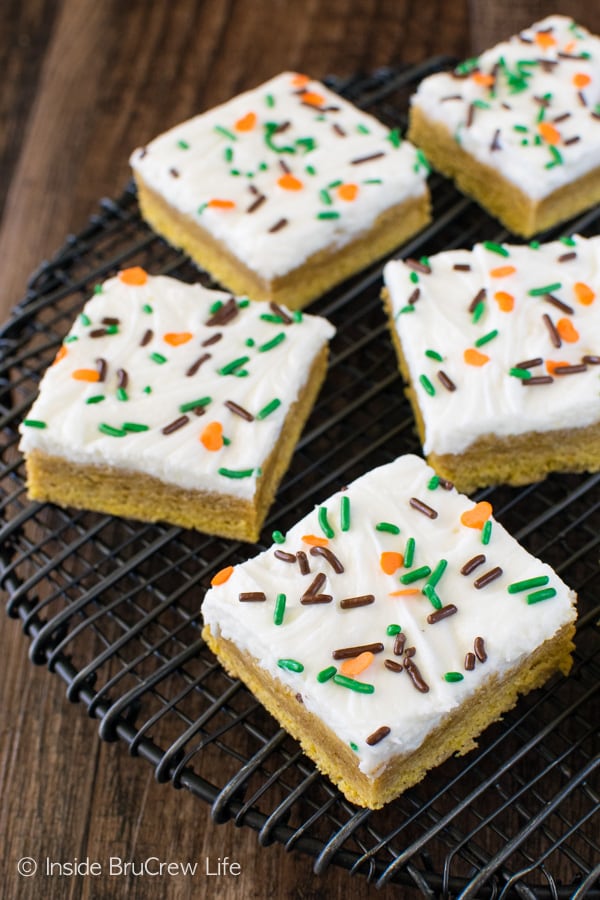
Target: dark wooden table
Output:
[(84, 82)]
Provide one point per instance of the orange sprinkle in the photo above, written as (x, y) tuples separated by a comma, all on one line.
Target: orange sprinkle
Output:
[(483, 80), (62, 352), (405, 592), (357, 664), (581, 80), (212, 436), (390, 561), (347, 192), (570, 46), (567, 331), (135, 276), (550, 134), (314, 540), (85, 375), (502, 271), (289, 182), (584, 293), (312, 98), (473, 357), (176, 338), (505, 301), (222, 576), (246, 123), (544, 40), (551, 365), (300, 80), (477, 516), (216, 203)]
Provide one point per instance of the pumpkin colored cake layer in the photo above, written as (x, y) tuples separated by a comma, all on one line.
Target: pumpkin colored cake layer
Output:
[(170, 402), (500, 347), (518, 128), (283, 191), (389, 627)]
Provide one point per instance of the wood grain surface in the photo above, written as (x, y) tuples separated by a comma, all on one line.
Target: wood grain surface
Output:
[(84, 82)]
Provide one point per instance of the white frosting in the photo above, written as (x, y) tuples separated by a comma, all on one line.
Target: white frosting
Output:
[(320, 143), (168, 307), (510, 627), (529, 165), (488, 399)]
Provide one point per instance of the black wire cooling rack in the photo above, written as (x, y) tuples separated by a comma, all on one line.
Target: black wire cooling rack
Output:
[(112, 605)]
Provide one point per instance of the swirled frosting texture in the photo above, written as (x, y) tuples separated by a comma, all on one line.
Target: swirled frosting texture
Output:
[(510, 626), (282, 171), (528, 107), (477, 315), (150, 353)]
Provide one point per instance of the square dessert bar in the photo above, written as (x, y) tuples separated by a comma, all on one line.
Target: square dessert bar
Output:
[(519, 127), (501, 348), (170, 402), (389, 627), (283, 191)]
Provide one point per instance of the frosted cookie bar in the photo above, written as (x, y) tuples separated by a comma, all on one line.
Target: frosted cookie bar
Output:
[(389, 627), (171, 402), (283, 191), (519, 127), (501, 349)]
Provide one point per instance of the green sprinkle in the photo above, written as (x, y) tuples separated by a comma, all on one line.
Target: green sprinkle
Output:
[(393, 630), (236, 473), (34, 423), (249, 342), (70, 338), (345, 513), (224, 132), (325, 197), (135, 426), (557, 159), (201, 208), (122, 394), (372, 181), (230, 367), (415, 575), (97, 398), (241, 373), (326, 674), (414, 277), (353, 746), (324, 523), (546, 289), (269, 317), (568, 241), (433, 482), (146, 308), (406, 309), (292, 665), (183, 145), (524, 374), (409, 553), (158, 358), (110, 431), (433, 354), (478, 312), (518, 586), (432, 595), (235, 172), (453, 676), (269, 100), (481, 104), (394, 137), (278, 537), (535, 245), (485, 338), (243, 303), (521, 128), (467, 65), (486, 532), (329, 214), (147, 389), (362, 129), (226, 441), (279, 611), (496, 248), (228, 154), (215, 307), (307, 144), (437, 573), (387, 526), (427, 385), (193, 404), (85, 320), (541, 595), (268, 409), (352, 684), (422, 162), (310, 170), (273, 342), (98, 289)]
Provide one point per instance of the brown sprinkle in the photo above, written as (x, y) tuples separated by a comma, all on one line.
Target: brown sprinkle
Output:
[(123, 378), (423, 508), (277, 310), (442, 613), (570, 370), (303, 562), (256, 203), (488, 577), (331, 558), (565, 257), (378, 735), (479, 648), (212, 339), (399, 642), (252, 597), (393, 666), (286, 557), (472, 564), (554, 335), (414, 296), (415, 676), (591, 360), (316, 598), (101, 367), (175, 425), (410, 651), (196, 365), (446, 381), (315, 585), (572, 140), (417, 266), (470, 662), (529, 363), (364, 159), (537, 379), (479, 296), (279, 224), (239, 410), (462, 267), (224, 314), (354, 602), (349, 652), (146, 337), (495, 145), (560, 304)]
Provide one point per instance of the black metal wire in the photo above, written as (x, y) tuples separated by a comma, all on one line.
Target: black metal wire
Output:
[(112, 605)]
